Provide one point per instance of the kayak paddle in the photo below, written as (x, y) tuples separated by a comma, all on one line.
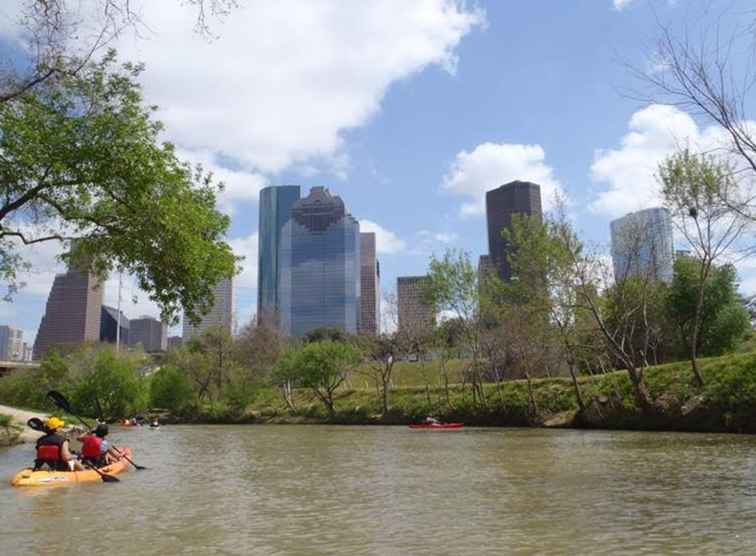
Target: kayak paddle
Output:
[(60, 400), (37, 424)]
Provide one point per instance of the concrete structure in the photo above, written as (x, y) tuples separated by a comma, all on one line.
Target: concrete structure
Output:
[(11, 344), (174, 342), (517, 197), (109, 324), (370, 286), (414, 315), (643, 245), (276, 203), (72, 314), (220, 314), (150, 333), (319, 266)]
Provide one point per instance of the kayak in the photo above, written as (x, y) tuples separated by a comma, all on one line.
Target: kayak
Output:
[(30, 478), (438, 426)]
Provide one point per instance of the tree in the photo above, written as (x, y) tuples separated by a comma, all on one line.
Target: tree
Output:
[(82, 163), (724, 321), (170, 389), (382, 352), (697, 190)]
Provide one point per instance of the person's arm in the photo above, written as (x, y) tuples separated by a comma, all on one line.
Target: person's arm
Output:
[(65, 453)]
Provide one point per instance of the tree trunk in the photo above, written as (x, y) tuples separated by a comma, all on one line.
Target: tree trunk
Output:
[(697, 325), (639, 389), (578, 394), (532, 406)]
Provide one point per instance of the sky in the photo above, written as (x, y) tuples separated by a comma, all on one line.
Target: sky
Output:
[(409, 111)]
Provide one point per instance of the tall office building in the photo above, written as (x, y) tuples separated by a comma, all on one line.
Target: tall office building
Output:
[(319, 266), (11, 344), (643, 245), (414, 314), (150, 333), (220, 314), (370, 288), (109, 319), (275, 209), (72, 314), (517, 197)]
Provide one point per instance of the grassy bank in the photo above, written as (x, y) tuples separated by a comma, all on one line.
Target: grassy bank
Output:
[(726, 403), (9, 431)]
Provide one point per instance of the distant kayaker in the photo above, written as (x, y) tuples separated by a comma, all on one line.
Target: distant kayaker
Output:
[(431, 421), (53, 450), (94, 447)]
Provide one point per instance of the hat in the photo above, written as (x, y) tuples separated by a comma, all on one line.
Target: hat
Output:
[(53, 423)]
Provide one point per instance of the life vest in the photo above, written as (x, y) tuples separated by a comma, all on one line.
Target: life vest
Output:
[(91, 446), (50, 448)]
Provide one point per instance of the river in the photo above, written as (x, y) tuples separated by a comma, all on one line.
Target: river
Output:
[(272, 490)]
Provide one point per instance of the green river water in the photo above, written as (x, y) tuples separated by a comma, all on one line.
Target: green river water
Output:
[(272, 490)]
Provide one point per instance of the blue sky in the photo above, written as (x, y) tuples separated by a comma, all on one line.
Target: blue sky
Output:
[(409, 111)]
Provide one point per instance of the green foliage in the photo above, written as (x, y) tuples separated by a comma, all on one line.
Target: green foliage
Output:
[(114, 383), (81, 153), (170, 389), (322, 333), (724, 321)]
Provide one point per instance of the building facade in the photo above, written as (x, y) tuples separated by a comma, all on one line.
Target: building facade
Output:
[(109, 319), (174, 342), (517, 197), (72, 314), (276, 203), (370, 286), (150, 333), (643, 245), (414, 315), (319, 266), (221, 313), (11, 344)]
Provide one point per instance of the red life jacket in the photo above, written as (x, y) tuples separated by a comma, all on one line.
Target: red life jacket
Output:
[(50, 448), (91, 446)]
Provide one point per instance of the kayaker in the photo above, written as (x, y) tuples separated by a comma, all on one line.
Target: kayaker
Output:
[(431, 421), (53, 450), (94, 447)]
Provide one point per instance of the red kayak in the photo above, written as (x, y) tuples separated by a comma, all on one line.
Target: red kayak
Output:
[(438, 426)]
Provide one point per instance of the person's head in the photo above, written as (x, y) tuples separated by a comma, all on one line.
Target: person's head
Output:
[(101, 430), (53, 424)]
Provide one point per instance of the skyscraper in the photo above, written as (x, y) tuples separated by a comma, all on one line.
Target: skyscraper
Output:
[(109, 325), (220, 314), (517, 197), (319, 266), (72, 314), (11, 344), (414, 314), (150, 332), (370, 290), (275, 210), (643, 245)]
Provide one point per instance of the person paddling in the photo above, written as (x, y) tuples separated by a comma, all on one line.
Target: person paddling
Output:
[(95, 449), (53, 450)]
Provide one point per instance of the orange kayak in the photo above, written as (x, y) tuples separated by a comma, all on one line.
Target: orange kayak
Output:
[(31, 478)]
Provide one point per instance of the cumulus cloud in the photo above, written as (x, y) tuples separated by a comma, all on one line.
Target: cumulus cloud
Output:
[(246, 247), (490, 165), (386, 241), (630, 170), (620, 5)]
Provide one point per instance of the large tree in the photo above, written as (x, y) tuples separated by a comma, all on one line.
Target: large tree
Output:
[(82, 163)]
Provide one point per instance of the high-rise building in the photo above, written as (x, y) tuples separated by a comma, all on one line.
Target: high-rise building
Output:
[(643, 245), (174, 342), (319, 266), (109, 319), (150, 333), (370, 286), (517, 197), (11, 344), (72, 314), (275, 210), (414, 314), (221, 313)]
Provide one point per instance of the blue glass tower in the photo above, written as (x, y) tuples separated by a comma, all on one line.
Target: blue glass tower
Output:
[(643, 245), (319, 266), (275, 209)]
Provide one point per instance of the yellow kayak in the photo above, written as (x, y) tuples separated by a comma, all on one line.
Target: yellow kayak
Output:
[(31, 478)]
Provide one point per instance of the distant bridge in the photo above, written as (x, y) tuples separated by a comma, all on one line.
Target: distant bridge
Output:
[(8, 366)]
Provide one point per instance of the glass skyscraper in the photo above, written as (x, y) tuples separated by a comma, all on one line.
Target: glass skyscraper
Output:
[(275, 209), (643, 245), (319, 266)]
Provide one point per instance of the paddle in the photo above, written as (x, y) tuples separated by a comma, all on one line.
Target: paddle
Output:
[(37, 424), (60, 400)]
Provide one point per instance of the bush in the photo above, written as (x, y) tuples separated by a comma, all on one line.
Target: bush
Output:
[(170, 389)]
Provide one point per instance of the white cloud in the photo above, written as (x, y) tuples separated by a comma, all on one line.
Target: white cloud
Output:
[(654, 133), (490, 165), (386, 241), (620, 5), (246, 247)]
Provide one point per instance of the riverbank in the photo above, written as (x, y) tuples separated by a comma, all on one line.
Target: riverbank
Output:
[(726, 403), (18, 432)]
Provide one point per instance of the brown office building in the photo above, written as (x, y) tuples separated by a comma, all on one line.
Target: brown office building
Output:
[(517, 197), (72, 314), (150, 332), (414, 315), (370, 287)]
